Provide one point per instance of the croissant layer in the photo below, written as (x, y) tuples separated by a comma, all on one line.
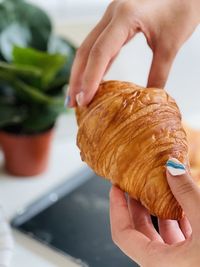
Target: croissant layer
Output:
[(127, 134)]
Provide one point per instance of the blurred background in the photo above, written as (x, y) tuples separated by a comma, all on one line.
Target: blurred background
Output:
[(71, 20), (73, 10), (184, 78)]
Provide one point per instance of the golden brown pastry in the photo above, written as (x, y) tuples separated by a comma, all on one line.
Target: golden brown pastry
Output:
[(126, 134), (193, 137)]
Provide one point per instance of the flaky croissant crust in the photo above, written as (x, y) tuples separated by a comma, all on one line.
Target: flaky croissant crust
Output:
[(126, 134), (193, 138)]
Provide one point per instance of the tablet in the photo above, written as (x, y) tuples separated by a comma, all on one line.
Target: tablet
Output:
[(74, 219)]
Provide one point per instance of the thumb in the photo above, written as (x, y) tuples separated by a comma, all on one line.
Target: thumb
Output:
[(160, 67), (185, 190)]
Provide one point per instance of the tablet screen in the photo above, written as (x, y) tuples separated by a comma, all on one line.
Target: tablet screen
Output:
[(78, 224)]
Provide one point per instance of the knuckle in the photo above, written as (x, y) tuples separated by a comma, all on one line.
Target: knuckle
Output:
[(126, 7), (130, 13), (112, 5), (82, 51), (141, 223), (88, 80), (96, 51), (185, 188)]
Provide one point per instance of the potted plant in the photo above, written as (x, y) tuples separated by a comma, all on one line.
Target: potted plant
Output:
[(34, 68)]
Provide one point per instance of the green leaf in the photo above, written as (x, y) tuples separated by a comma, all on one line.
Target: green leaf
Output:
[(14, 34), (36, 122), (59, 45), (23, 71), (28, 93), (30, 17), (64, 47), (38, 22), (7, 14), (48, 64), (22, 101), (10, 114)]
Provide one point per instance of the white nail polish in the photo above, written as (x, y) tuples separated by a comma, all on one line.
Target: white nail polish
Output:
[(175, 167), (80, 98)]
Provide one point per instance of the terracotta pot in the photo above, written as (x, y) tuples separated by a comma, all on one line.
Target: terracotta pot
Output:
[(26, 155)]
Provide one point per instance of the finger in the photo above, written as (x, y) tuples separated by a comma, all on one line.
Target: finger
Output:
[(130, 241), (142, 220), (160, 67), (185, 227), (170, 231), (82, 56), (110, 64), (104, 50), (185, 191)]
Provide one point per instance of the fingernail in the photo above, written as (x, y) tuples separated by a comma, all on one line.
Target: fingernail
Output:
[(67, 101), (175, 167), (80, 98)]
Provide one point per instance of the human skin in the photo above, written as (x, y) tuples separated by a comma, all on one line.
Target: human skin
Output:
[(166, 24), (176, 245)]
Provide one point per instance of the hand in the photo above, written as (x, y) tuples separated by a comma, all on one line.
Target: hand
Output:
[(178, 243), (166, 24)]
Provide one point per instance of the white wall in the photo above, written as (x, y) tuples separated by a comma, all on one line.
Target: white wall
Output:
[(134, 60), (73, 10)]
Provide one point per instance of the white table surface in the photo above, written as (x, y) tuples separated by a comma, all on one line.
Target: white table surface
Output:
[(132, 64), (16, 193)]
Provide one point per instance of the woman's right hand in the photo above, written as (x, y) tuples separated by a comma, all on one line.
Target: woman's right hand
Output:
[(166, 24)]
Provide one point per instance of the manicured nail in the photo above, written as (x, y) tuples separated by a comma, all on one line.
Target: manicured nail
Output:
[(175, 167), (80, 98), (67, 101)]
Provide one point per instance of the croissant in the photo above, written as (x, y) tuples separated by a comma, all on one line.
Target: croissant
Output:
[(127, 134), (193, 137)]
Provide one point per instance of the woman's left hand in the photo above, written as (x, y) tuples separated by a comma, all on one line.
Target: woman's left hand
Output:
[(176, 245)]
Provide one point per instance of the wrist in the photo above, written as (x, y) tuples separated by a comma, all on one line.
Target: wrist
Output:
[(195, 6)]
